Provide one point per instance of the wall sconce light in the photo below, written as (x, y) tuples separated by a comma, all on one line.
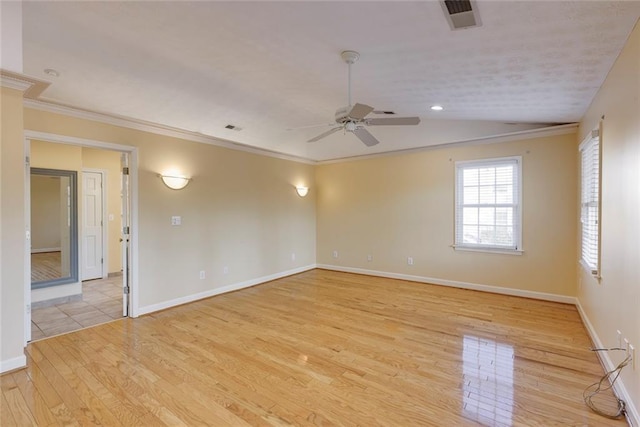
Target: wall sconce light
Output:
[(302, 191), (175, 182)]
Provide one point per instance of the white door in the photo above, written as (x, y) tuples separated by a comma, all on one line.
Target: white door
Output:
[(92, 251), (126, 234), (27, 257)]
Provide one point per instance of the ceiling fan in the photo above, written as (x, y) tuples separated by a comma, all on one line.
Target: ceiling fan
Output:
[(353, 118)]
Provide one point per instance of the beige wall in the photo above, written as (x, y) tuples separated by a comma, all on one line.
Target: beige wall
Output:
[(614, 303), (109, 161), (45, 213), (399, 206), (12, 227), (56, 156), (240, 211)]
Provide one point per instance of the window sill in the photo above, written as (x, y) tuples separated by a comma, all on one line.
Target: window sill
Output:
[(489, 250), (588, 269)]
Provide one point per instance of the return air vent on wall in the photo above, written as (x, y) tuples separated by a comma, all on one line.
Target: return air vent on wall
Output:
[(461, 14)]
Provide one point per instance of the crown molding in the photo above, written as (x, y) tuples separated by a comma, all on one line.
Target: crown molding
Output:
[(564, 129), (29, 86), (158, 129)]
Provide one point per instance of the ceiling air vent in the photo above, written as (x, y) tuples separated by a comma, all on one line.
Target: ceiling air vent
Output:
[(461, 14), (232, 127)]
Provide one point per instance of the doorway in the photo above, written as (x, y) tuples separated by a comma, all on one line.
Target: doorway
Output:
[(100, 284)]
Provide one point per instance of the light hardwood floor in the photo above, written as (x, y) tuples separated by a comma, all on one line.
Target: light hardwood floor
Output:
[(46, 266), (318, 348)]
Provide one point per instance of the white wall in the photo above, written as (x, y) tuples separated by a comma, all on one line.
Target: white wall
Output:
[(12, 230), (614, 302)]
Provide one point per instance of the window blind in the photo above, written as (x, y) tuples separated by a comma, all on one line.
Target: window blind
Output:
[(590, 202), (487, 204)]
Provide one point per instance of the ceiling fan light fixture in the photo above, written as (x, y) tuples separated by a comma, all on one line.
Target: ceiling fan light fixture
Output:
[(353, 117), (437, 108)]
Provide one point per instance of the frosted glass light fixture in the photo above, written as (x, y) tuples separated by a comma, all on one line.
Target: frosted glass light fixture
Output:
[(175, 182), (302, 191)]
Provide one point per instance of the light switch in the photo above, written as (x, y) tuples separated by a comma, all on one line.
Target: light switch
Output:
[(176, 220)]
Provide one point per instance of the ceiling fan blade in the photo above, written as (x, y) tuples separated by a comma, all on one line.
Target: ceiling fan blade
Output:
[(325, 134), (396, 121), (366, 137), (359, 111)]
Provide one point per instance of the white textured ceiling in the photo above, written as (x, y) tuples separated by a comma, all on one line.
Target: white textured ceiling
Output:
[(268, 66)]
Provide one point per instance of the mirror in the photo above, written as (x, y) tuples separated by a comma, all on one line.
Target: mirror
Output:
[(54, 227)]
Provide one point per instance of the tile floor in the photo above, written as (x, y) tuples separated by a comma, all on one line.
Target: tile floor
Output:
[(101, 302)]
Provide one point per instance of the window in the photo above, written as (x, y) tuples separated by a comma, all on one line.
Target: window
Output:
[(488, 204), (590, 201)]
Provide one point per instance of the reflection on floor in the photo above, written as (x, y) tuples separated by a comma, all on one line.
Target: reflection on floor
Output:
[(487, 369), (46, 266), (101, 302)]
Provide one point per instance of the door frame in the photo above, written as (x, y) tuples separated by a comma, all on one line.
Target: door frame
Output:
[(105, 220), (132, 151)]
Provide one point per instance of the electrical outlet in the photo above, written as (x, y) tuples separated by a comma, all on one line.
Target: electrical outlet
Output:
[(176, 220), (632, 352), (369, 258), (619, 338), (335, 254), (293, 256), (202, 274), (225, 270), (410, 260)]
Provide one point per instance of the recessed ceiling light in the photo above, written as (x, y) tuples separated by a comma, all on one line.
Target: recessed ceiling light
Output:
[(437, 107), (51, 72)]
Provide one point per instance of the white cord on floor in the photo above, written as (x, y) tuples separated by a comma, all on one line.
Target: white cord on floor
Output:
[(609, 378)]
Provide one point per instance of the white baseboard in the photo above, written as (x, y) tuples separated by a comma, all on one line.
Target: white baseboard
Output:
[(43, 250), (608, 365), (217, 291), (455, 284), (11, 364)]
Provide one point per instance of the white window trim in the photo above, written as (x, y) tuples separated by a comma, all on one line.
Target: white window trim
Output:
[(595, 134), (518, 250)]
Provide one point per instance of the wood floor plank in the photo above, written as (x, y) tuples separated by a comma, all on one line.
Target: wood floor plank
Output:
[(319, 348), (6, 417), (19, 408), (37, 405)]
